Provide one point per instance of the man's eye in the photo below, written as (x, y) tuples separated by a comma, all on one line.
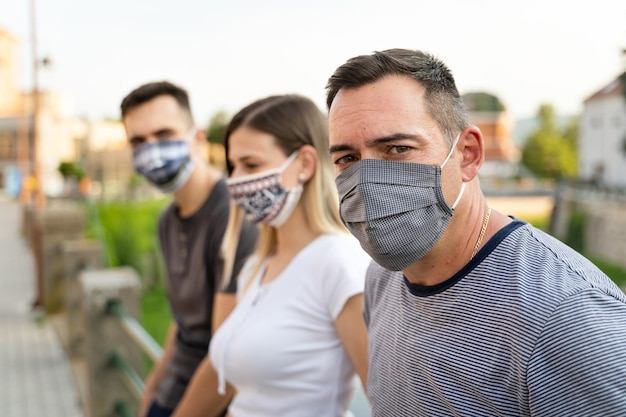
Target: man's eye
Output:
[(346, 159), (134, 142), (399, 149)]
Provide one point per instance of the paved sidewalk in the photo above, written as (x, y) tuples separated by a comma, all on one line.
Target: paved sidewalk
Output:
[(35, 376)]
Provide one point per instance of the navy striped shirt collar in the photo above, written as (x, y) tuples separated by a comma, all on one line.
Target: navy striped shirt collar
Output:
[(428, 290)]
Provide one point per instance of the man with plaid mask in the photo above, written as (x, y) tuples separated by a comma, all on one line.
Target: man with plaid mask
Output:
[(469, 312), (168, 152)]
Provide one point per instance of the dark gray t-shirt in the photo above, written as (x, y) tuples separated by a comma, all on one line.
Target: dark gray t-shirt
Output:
[(191, 251)]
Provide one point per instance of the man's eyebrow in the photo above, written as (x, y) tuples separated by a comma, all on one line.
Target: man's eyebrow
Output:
[(390, 138), (340, 148), (164, 131), (373, 142)]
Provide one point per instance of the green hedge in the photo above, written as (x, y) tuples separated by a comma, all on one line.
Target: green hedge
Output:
[(128, 231)]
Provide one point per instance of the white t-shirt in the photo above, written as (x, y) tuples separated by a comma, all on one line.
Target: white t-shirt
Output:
[(279, 348)]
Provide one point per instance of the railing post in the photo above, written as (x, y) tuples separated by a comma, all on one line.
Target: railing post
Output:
[(59, 221), (78, 255), (103, 336)]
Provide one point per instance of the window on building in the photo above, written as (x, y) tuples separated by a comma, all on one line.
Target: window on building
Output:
[(596, 122), (617, 121), (7, 146)]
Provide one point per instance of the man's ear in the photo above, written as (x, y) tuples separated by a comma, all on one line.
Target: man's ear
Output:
[(308, 163), (472, 150), (199, 147), (200, 136)]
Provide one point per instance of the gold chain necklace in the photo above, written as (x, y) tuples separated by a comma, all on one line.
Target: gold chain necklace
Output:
[(482, 232)]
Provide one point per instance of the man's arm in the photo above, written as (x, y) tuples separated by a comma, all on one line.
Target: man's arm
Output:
[(201, 398), (158, 371)]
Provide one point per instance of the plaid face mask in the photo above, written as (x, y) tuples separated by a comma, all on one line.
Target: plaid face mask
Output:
[(395, 209), (263, 197), (165, 163)]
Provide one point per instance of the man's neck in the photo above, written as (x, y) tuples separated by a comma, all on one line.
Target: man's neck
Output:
[(191, 196)]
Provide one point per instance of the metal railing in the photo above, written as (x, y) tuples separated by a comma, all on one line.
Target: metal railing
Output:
[(121, 409), (133, 329)]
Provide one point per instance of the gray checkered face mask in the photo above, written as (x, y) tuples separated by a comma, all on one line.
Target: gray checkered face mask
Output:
[(395, 209), (165, 163)]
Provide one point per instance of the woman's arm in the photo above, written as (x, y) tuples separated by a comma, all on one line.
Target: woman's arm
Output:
[(353, 334), (201, 398)]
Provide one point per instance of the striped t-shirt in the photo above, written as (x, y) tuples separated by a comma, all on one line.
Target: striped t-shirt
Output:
[(527, 327)]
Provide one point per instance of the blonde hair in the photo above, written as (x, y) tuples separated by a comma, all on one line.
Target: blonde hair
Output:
[(294, 121)]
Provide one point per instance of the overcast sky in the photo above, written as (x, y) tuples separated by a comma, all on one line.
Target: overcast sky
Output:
[(228, 53)]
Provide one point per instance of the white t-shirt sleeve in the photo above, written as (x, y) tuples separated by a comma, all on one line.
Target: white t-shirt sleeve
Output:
[(345, 275)]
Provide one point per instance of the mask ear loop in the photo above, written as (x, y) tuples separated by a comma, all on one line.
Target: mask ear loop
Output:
[(458, 198), (289, 160), (192, 132), (456, 141)]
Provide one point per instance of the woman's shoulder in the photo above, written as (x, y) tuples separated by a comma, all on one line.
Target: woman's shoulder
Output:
[(340, 243), (340, 252)]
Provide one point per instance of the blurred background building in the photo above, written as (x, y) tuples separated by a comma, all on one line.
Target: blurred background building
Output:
[(98, 146), (602, 141)]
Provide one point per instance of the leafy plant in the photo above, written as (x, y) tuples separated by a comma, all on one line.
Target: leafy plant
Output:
[(155, 313), (217, 128), (71, 170), (128, 230), (482, 102), (549, 153)]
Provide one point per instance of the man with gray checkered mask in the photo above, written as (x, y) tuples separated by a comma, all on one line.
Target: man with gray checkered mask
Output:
[(168, 150), (469, 311)]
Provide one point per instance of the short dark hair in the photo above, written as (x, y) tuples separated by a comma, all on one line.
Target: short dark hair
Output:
[(147, 92), (442, 99)]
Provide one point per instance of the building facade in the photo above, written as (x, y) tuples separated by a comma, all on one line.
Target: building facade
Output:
[(491, 117), (15, 125), (60, 136), (602, 141)]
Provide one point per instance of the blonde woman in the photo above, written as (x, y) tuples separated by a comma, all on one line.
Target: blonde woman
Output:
[(293, 344)]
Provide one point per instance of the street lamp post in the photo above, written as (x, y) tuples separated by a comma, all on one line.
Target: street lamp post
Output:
[(39, 199), (34, 145)]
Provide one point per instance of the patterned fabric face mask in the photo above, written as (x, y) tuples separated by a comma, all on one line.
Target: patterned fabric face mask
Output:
[(263, 197), (165, 163), (395, 209)]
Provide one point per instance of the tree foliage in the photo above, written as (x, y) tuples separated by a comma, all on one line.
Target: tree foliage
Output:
[(71, 170), (482, 102), (550, 152), (217, 127)]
